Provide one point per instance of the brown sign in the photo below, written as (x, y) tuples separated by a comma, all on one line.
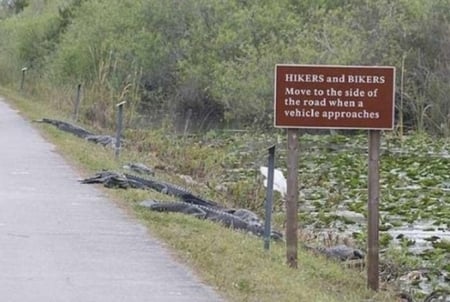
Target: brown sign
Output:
[(321, 96)]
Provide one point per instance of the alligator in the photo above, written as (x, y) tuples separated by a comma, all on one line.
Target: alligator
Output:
[(112, 180), (173, 190), (224, 217), (242, 219), (338, 252), (139, 168), (104, 140), (435, 296), (65, 126), (438, 295), (247, 215)]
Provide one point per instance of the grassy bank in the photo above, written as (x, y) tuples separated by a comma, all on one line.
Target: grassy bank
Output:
[(233, 262)]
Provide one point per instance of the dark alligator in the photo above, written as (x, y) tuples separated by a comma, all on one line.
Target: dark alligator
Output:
[(173, 190), (124, 181), (222, 216), (241, 219), (67, 127), (104, 140), (338, 252), (440, 295), (112, 180)]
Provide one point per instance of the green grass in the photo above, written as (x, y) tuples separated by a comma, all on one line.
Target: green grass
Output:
[(232, 262)]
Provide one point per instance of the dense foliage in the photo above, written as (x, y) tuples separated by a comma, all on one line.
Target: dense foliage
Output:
[(212, 61)]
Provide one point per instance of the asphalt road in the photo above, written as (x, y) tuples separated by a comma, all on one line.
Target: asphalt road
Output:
[(64, 241)]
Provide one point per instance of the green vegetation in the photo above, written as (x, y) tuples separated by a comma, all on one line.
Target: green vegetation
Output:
[(192, 70), (215, 59)]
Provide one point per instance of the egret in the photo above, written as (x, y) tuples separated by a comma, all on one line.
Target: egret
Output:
[(279, 181)]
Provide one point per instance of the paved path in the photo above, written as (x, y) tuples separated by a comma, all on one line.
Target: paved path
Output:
[(63, 241)]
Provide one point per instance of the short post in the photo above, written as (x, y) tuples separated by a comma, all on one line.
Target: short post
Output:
[(269, 198), (186, 124), (373, 213), (77, 103), (292, 199), (119, 128), (22, 81)]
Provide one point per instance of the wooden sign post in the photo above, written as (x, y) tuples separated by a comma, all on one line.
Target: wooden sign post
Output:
[(373, 222), (292, 199), (335, 97), (119, 125), (22, 81), (77, 103)]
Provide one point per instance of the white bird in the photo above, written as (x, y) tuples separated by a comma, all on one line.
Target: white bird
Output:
[(279, 181)]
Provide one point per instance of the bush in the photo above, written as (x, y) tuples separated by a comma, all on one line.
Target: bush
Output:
[(212, 61)]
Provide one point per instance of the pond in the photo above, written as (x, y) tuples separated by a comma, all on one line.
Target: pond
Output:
[(414, 198)]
